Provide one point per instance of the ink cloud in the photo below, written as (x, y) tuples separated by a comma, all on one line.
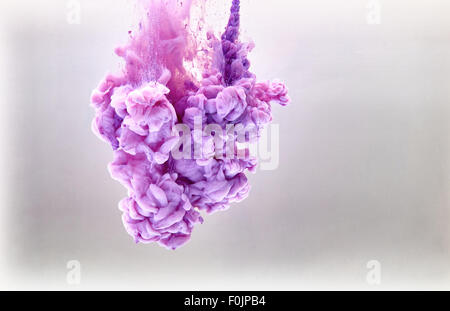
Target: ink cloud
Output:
[(175, 73)]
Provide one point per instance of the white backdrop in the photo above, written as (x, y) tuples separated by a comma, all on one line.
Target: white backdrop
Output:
[(364, 154)]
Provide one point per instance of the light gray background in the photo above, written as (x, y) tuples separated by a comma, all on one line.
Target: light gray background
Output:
[(364, 154)]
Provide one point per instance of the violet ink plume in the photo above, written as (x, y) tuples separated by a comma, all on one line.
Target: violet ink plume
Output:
[(159, 88)]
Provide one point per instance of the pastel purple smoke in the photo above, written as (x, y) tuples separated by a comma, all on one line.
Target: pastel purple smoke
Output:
[(138, 109)]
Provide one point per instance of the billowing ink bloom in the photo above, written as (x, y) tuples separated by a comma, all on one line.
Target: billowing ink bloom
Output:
[(231, 103), (139, 110), (272, 92), (162, 213)]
